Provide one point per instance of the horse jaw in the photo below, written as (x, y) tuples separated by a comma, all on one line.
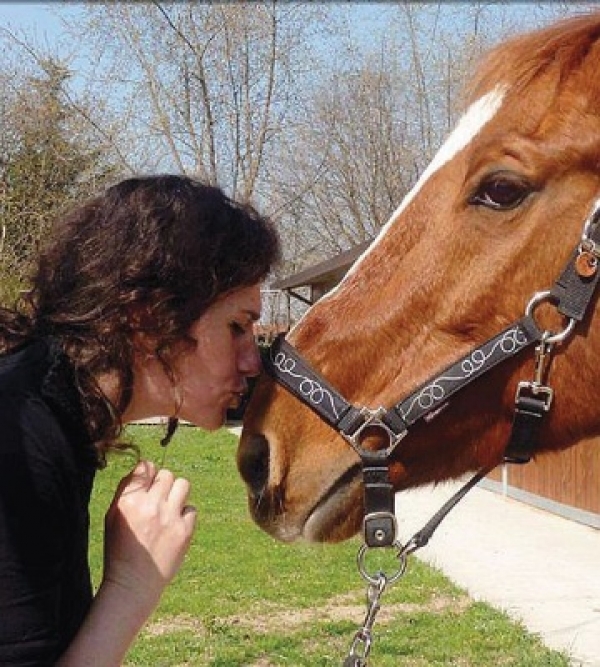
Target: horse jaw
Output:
[(338, 513), (302, 484)]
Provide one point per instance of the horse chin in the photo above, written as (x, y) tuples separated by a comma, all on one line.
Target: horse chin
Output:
[(338, 513)]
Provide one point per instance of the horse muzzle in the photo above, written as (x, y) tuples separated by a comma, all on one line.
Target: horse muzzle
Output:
[(314, 513)]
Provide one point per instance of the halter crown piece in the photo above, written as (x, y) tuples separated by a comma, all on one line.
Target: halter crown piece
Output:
[(570, 295)]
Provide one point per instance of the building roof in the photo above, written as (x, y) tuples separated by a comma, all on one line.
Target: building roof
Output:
[(323, 272)]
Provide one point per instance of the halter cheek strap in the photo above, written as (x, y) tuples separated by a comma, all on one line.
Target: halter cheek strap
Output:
[(576, 285)]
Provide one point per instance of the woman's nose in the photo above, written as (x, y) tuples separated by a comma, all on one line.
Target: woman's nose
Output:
[(249, 359)]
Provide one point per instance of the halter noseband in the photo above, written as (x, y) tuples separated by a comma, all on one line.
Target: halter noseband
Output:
[(292, 371)]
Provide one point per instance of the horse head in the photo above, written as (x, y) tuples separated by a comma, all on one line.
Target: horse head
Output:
[(491, 221)]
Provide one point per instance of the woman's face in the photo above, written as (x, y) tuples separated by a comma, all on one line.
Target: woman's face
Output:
[(210, 375)]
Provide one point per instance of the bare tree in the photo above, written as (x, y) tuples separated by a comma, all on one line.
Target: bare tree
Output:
[(350, 164), (378, 117), (295, 106), (205, 88)]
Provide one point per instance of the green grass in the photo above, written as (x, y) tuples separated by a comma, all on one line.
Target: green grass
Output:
[(243, 599)]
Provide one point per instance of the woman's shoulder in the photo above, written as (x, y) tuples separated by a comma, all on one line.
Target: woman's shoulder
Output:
[(25, 366), (24, 412), (38, 391), (41, 418)]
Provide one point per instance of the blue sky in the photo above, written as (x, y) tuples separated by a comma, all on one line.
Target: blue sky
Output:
[(41, 18), (38, 16), (41, 22)]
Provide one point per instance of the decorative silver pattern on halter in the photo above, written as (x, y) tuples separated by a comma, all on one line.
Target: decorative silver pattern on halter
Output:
[(310, 389), (435, 392)]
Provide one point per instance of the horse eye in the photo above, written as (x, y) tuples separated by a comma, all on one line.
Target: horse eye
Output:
[(500, 192)]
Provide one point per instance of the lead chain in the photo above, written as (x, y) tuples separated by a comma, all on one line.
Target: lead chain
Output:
[(361, 644), (377, 583)]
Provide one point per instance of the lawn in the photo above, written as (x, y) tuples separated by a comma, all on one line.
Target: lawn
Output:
[(244, 600)]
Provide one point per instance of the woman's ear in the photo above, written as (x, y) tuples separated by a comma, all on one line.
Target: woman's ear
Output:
[(142, 325)]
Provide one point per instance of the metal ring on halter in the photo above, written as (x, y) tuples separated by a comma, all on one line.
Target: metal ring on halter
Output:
[(592, 220), (375, 578), (552, 338)]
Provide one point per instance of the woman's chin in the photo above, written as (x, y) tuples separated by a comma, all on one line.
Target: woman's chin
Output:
[(207, 422)]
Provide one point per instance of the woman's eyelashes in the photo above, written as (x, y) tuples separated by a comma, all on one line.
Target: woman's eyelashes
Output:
[(238, 328)]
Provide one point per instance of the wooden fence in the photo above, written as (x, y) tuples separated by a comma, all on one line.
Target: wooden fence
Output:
[(566, 483)]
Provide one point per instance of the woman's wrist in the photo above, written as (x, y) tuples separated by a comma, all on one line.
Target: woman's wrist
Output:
[(135, 597)]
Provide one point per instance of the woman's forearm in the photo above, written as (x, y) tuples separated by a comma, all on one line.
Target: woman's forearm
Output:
[(111, 626)]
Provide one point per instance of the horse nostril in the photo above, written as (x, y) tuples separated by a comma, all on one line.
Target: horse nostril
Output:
[(253, 462)]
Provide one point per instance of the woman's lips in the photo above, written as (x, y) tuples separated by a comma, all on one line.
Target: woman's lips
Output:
[(236, 397)]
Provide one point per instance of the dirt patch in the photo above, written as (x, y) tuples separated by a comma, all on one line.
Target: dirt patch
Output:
[(337, 610), (272, 618), (174, 624)]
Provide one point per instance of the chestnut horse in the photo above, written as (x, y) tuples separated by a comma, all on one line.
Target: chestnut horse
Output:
[(492, 221)]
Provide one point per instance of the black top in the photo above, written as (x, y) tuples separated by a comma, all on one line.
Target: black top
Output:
[(47, 467)]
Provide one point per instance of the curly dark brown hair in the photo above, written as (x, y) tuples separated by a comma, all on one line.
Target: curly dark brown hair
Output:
[(166, 247)]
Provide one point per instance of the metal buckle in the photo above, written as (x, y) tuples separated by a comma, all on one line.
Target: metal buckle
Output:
[(380, 529), (537, 387), (592, 220), (374, 418), (587, 245), (540, 391)]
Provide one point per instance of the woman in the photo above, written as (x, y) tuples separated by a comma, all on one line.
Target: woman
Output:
[(141, 305)]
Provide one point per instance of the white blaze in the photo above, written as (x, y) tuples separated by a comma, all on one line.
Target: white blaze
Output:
[(469, 125), (474, 119)]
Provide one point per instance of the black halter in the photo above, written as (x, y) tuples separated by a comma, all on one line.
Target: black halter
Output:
[(571, 295)]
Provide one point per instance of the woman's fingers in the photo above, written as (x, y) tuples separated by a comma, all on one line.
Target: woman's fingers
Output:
[(144, 471), (164, 479), (179, 492), (169, 491), (172, 490), (175, 493), (140, 478), (189, 516), (179, 496)]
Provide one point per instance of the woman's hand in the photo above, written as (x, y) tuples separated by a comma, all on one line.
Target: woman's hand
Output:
[(149, 526), (148, 529)]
